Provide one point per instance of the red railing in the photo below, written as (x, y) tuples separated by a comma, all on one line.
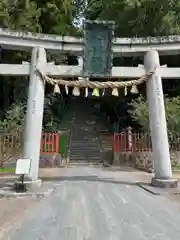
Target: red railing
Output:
[(49, 143), (131, 142)]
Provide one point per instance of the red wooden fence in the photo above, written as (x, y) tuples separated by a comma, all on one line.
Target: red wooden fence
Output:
[(49, 143), (131, 142)]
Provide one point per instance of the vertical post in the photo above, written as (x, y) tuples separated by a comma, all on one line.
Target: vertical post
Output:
[(158, 127), (57, 142), (34, 115), (130, 143)]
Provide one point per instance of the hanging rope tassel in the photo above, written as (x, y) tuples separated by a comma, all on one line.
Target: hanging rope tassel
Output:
[(95, 92), (134, 89), (66, 89), (115, 92), (86, 92), (97, 84), (125, 91), (76, 91), (103, 93), (56, 88)]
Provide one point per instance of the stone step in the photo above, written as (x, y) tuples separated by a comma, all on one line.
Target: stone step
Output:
[(85, 150), (84, 141), (83, 138), (84, 159), (74, 164), (84, 144), (85, 156)]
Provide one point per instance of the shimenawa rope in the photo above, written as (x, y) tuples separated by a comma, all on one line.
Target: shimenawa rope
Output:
[(96, 85)]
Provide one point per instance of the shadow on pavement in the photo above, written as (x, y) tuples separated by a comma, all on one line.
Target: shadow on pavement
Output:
[(91, 179)]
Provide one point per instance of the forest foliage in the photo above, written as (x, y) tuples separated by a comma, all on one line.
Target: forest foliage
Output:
[(133, 18)]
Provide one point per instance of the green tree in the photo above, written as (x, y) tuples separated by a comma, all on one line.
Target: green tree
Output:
[(14, 118), (172, 106), (138, 17), (57, 16), (142, 18), (20, 15), (16, 15), (54, 16)]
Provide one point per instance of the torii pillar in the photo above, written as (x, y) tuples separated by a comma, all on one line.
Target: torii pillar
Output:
[(34, 115), (158, 126)]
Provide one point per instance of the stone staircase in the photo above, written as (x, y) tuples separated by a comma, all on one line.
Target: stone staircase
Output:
[(85, 148)]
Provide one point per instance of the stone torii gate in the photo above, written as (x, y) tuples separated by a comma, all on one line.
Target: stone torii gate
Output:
[(150, 48)]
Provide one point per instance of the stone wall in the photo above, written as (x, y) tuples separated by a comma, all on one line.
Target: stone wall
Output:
[(143, 160), (51, 160)]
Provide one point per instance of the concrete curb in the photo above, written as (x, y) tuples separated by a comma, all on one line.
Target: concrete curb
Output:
[(160, 191), (148, 189), (5, 174), (4, 194), (8, 177)]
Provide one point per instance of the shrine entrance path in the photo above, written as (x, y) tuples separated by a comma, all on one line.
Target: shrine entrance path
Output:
[(93, 204)]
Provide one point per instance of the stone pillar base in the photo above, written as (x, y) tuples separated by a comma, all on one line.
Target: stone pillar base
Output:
[(30, 185), (116, 158), (164, 183)]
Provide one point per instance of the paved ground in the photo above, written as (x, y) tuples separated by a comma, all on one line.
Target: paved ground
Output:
[(12, 212), (91, 204)]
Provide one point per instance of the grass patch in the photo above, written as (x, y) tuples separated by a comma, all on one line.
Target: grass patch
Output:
[(7, 170), (63, 144), (176, 167)]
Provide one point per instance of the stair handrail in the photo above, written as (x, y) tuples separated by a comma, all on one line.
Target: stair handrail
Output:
[(99, 144), (70, 140)]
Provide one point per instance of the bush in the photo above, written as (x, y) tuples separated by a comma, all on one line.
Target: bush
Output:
[(14, 118), (54, 106), (11, 127), (172, 106)]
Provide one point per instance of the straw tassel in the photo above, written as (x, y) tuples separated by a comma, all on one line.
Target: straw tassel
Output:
[(115, 92), (134, 89), (103, 93), (66, 89), (125, 91), (76, 91), (86, 92), (56, 88), (95, 92)]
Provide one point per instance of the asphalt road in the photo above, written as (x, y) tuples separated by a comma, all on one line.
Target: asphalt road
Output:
[(90, 204)]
